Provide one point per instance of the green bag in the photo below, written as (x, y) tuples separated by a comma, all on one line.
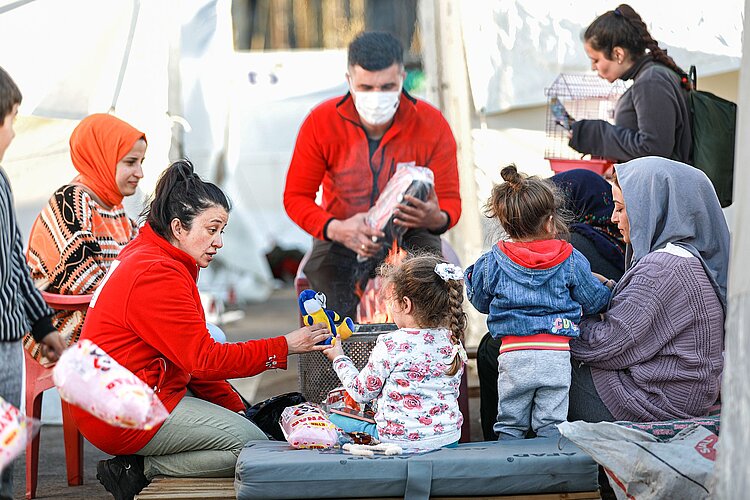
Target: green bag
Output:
[(713, 126)]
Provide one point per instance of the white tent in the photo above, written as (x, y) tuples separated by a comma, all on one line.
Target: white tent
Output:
[(161, 65), (273, 93), (514, 49)]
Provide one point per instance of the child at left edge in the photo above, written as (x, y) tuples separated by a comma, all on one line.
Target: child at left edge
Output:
[(415, 371), (21, 305)]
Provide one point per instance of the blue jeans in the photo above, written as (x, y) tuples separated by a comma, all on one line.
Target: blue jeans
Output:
[(585, 402), (349, 424)]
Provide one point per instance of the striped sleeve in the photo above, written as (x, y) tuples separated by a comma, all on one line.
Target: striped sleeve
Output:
[(21, 305), (38, 313)]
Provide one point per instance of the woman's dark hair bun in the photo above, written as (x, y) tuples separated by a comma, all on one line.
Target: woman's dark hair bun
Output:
[(510, 175), (185, 169), (181, 194)]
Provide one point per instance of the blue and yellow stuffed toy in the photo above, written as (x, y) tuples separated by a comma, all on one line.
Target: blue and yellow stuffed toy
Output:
[(312, 306)]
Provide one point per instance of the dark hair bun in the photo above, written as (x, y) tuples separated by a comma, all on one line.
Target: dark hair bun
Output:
[(184, 168), (511, 176)]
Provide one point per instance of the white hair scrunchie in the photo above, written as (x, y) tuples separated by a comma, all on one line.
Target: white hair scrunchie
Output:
[(449, 271), (458, 349)]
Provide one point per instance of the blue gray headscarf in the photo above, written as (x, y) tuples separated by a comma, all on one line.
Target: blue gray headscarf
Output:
[(670, 202)]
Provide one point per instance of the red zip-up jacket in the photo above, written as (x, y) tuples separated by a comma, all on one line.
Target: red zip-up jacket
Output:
[(332, 149), (147, 315)]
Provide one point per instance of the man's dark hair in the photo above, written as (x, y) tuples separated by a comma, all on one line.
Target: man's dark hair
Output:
[(375, 50), (9, 95)]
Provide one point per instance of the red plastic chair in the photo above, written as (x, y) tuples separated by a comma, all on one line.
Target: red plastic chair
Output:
[(38, 380)]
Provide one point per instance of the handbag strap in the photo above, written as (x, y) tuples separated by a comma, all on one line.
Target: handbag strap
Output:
[(693, 76)]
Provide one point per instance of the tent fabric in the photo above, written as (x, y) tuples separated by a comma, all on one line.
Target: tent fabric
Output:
[(515, 48), (152, 63)]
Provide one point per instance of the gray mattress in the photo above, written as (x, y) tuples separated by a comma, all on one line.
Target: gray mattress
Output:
[(273, 470)]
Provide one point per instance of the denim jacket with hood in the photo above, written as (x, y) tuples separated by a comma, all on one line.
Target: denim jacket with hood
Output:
[(543, 286)]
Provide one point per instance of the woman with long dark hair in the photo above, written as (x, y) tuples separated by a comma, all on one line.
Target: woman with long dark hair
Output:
[(651, 117)]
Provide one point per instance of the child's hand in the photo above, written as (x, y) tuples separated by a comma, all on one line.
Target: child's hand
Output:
[(599, 277), (335, 350)]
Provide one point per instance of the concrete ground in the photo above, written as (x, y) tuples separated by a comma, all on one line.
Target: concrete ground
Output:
[(276, 316)]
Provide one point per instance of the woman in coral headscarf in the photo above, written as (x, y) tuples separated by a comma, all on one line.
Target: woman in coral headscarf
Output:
[(83, 227)]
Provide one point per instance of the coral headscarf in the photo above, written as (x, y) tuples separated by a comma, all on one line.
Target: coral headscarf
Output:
[(96, 145)]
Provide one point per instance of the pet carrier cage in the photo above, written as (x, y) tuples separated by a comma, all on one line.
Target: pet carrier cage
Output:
[(577, 97)]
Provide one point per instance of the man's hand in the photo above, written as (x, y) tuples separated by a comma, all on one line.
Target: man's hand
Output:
[(52, 346), (355, 234), (420, 213), (306, 338)]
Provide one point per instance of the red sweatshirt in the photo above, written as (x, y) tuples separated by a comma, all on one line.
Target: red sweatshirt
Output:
[(147, 315), (332, 149)]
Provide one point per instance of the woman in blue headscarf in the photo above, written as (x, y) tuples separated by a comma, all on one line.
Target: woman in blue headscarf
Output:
[(589, 200), (656, 353)]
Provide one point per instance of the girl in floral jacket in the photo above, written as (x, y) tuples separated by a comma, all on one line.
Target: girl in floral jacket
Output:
[(414, 373)]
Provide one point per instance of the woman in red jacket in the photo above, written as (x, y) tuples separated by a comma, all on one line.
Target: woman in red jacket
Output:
[(148, 316)]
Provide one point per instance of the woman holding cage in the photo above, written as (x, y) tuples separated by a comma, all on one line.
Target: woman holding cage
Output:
[(651, 117)]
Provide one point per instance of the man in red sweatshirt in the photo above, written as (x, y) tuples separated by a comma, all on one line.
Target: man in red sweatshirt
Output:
[(352, 146)]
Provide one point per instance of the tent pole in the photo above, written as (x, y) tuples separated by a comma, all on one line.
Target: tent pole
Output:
[(445, 68), (733, 463)]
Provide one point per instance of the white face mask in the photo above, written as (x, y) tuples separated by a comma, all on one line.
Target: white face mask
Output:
[(376, 108)]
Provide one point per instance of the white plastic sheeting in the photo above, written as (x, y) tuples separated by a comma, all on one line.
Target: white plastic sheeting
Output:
[(103, 56), (272, 94), (515, 48), (151, 63)]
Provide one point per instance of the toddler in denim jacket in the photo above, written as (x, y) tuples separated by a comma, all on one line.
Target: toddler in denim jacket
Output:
[(534, 289)]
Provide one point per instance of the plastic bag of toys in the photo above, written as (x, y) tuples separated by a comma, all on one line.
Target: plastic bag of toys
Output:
[(307, 426), (89, 378), (15, 431)]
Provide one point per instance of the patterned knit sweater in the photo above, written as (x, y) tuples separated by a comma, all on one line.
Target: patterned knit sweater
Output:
[(656, 354), (72, 244)]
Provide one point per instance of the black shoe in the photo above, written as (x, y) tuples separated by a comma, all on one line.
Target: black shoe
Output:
[(122, 476)]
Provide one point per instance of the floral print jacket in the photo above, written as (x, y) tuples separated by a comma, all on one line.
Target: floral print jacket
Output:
[(417, 402)]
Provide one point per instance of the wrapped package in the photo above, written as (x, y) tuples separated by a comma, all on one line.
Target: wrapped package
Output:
[(15, 431), (307, 426), (408, 179), (89, 378)]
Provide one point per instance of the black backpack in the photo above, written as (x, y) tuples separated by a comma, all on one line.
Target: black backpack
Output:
[(713, 123)]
